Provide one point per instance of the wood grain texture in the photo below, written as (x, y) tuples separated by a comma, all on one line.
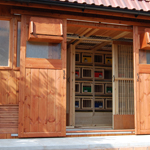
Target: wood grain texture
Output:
[(41, 25), (43, 63), (124, 122), (51, 114)]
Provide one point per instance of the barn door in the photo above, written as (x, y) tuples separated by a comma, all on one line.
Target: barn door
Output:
[(42, 106), (142, 80)]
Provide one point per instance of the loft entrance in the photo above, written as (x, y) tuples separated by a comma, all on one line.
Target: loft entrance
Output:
[(100, 89)]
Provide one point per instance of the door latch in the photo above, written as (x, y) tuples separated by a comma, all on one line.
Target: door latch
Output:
[(137, 77), (113, 78)]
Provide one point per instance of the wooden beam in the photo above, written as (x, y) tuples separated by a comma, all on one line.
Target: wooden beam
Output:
[(80, 17), (92, 31), (122, 34), (99, 26), (62, 8), (100, 46)]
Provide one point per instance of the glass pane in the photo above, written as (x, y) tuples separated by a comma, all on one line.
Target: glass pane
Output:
[(43, 50), (144, 56), (4, 42), (18, 43)]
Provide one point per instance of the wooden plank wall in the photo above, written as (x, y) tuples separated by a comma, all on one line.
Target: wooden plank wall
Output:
[(9, 92), (43, 91)]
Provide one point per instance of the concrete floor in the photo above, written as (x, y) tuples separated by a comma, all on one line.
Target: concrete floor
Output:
[(76, 143)]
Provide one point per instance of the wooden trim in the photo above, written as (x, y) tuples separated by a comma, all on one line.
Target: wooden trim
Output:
[(45, 38), (126, 79), (44, 134), (43, 63), (9, 130), (122, 43), (136, 47), (99, 26), (22, 76), (67, 15), (144, 68), (72, 86)]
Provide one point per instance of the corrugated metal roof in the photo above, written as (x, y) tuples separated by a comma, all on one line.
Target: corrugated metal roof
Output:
[(140, 5)]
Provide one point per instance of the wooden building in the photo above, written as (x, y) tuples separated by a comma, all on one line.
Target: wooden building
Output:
[(75, 64)]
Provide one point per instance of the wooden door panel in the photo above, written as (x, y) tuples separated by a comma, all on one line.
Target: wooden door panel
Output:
[(144, 85), (42, 92)]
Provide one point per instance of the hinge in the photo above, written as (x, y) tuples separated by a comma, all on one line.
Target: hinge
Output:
[(63, 74)]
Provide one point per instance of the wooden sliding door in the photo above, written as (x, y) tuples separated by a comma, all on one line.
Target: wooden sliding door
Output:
[(42, 96)]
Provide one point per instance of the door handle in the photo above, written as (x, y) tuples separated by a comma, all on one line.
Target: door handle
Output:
[(63, 74)]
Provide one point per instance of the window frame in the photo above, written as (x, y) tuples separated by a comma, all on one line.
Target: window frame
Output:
[(10, 19), (16, 20)]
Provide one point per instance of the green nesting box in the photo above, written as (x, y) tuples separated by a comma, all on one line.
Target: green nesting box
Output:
[(87, 89), (109, 89)]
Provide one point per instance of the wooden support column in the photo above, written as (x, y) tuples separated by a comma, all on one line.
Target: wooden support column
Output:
[(72, 86)]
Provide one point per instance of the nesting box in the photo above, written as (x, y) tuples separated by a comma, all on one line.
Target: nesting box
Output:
[(108, 59), (99, 59), (99, 103), (87, 103), (108, 104), (77, 72), (77, 87), (87, 88), (77, 103), (87, 73), (77, 57), (99, 88), (99, 73), (108, 88), (87, 58)]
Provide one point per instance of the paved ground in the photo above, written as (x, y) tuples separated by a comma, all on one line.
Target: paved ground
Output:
[(133, 142)]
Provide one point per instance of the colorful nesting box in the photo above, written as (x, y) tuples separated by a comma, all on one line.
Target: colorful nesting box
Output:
[(77, 73), (86, 58), (109, 89), (108, 59), (87, 89), (99, 104), (98, 74)]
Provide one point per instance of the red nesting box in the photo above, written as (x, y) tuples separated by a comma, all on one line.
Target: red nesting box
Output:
[(77, 73), (98, 74)]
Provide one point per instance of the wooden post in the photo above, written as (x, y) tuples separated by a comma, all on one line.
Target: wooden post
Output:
[(72, 86)]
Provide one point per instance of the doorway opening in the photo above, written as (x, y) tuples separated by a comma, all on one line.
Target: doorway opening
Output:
[(100, 75)]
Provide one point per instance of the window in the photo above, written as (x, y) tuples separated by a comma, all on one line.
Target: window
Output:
[(43, 50), (4, 42)]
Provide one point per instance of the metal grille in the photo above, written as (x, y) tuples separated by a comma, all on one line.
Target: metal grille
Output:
[(125, 83)]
